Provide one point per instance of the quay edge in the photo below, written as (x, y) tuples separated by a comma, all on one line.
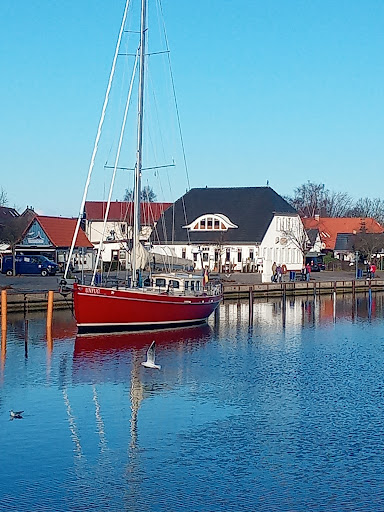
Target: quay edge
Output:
[(242, 291), (37, 301)]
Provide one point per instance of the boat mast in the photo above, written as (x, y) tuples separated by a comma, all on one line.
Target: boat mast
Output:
[(138, 167)]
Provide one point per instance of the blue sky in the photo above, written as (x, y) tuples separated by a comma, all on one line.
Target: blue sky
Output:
[(267, 90)]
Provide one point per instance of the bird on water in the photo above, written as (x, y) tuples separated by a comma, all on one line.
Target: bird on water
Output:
[(151, 354), (16, 414)]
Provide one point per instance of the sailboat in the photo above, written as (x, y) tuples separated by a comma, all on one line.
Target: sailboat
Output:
[(159, 301)]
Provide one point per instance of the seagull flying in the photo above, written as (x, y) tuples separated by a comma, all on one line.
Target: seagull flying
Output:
[(16, 414), (151, 353)]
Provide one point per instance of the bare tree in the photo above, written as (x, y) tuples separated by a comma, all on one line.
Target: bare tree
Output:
[(219, 250), (308, 199), (368, 244), (312, 199), (147, 195), (298, 237), (3, 197), (366, 207), (11, 232), (337, 204)]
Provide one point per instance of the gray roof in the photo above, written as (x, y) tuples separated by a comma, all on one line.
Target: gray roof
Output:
[(7, 214), (312, 235), (345, 242), (250, 208)]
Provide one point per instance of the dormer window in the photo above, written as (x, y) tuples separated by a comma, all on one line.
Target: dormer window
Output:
[(211, 222)]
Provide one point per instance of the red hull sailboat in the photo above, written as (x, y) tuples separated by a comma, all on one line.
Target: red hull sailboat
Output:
[(99, 309), (159, 300)]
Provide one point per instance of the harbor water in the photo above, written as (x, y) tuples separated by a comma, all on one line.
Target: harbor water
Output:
[(279, 411)]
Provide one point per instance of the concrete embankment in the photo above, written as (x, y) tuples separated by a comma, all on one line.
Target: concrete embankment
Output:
[(35, 301), (239, 291)]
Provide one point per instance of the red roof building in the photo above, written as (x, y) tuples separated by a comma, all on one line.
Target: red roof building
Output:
[(122, 211), (330, 227), (52, 237), (55, 232)]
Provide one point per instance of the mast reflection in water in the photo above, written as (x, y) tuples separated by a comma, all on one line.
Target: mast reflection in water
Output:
[(283, 414)]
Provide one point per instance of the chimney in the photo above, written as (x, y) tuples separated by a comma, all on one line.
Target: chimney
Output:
[(317, 217)]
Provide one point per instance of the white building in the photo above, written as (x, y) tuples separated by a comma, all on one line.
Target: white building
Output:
[(234, 229)]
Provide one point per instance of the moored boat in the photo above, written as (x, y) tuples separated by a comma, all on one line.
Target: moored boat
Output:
[(159, 301), (167, 302)]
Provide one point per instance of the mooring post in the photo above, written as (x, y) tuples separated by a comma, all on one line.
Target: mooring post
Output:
[(3, 310), (49, 312), (250, 305)]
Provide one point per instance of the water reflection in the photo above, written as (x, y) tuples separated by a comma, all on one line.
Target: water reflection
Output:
[(279, 412), (297, 312)]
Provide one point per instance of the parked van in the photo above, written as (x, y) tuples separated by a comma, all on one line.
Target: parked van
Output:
[(29, 265)]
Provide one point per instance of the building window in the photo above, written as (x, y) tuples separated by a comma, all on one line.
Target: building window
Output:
[(122, 227), (207, 222), (216, 255), (115, 255), (195, 256), (183, 253), (228, 255), (205, 256), (239, 256), (251, 255)]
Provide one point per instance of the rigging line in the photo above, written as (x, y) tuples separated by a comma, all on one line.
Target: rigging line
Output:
[(185, 218), (173, 225), (101, 122), (162, 213), (154, 113), (115, 167), (174, 97), (161, 255)]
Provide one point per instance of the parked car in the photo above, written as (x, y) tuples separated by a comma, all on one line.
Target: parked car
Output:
[(29, 265), (316, 263)]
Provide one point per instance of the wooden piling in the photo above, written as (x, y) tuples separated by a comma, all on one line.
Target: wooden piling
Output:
[(49, 310), (250, 305), (3, 310)]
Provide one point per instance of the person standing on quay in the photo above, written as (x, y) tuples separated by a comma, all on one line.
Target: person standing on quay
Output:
[(308, 271), (279, 273), (274, 267), (372, 270)]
